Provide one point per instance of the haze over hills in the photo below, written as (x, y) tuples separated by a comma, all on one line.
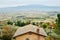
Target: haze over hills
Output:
[(30, 11), (30, 7)]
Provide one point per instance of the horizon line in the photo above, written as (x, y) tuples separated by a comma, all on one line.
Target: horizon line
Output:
[(7, 6)]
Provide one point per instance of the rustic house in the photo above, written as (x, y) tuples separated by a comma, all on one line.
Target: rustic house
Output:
[(30, 32)]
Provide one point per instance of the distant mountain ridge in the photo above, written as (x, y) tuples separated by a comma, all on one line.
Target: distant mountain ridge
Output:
[(30, 7)]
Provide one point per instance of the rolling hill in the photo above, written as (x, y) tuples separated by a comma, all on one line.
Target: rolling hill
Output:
[(30, 7)]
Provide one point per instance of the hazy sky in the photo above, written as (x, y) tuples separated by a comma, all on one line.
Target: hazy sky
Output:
[(10, 3)]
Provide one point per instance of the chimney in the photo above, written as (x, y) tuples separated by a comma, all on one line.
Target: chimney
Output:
[(38, 38), (38, 31)]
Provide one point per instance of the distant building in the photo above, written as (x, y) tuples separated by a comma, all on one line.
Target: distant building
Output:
[(30, 32)]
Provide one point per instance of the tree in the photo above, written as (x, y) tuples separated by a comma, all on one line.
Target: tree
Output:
[(58, 24), (7, 33), (28, 22), (19, 23), (44, 25), (33, 23), (10, 23)]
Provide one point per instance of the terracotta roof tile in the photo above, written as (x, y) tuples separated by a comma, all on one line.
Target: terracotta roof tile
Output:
[(29, 28)]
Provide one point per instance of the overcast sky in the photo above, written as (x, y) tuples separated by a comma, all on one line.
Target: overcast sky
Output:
[(11, 3)]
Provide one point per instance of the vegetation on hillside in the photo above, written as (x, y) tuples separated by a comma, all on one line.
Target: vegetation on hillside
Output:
[(51, 28)]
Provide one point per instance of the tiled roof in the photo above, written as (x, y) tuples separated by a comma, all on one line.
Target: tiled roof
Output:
[(30, 28)]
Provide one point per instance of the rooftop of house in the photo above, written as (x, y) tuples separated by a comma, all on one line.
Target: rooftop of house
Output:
[(30, 28)]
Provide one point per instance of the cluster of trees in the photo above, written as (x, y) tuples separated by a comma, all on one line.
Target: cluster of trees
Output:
[(53, 30), (54, 26), (7, 32), (22, 23), (18, 23), (44, 24), (10, 23)]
